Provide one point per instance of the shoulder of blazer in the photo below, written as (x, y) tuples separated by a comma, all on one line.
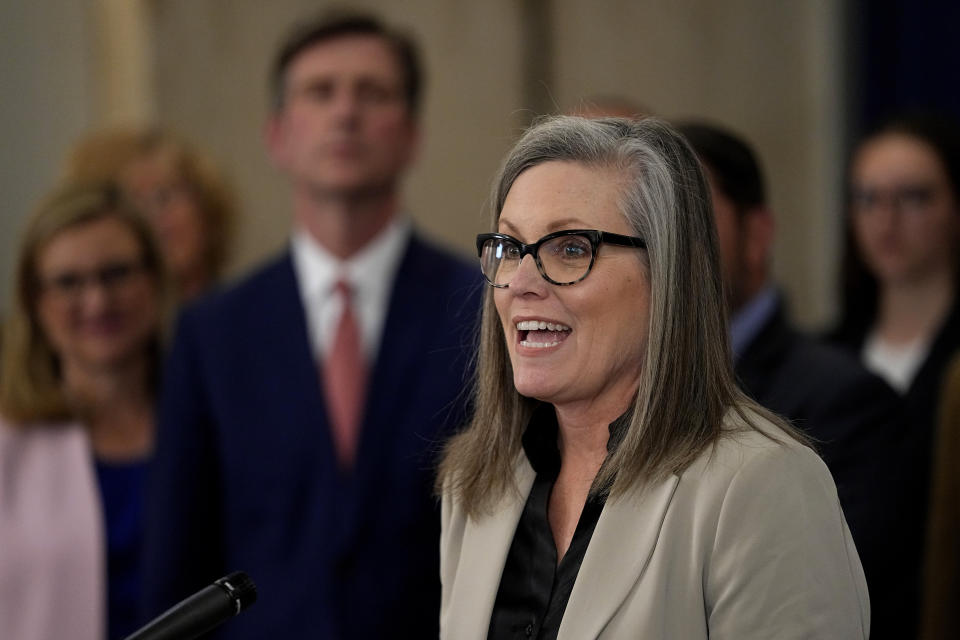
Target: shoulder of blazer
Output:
[(434, 266), (268, 280), (433, 281), (758, 443), (268, 294)]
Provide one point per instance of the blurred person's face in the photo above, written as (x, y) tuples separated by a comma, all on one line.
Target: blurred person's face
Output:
[(591, 349), (904, 216), (744, 238), (173, 210), (731, 244), (98, 306), (345, 127)]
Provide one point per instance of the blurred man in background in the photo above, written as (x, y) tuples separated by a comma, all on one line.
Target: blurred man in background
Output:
[(853, 418), (302, 407)]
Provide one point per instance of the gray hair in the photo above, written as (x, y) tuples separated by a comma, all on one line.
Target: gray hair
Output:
[(687, 382)]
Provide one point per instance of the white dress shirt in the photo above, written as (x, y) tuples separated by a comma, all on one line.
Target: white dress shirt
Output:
[(896, 363), (370, 275)]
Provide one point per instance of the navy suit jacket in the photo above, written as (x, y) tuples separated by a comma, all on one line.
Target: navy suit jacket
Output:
[(857, 424), (246, 478)]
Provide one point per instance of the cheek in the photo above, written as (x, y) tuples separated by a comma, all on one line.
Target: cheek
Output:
[(188, 225), (53, 322), (726, 237), (141, 307), (862, 228), (395, 135), (289, 143), (638, 323), (146, 304), (55, 326), (943, 228), (635, 318), (501, 303)]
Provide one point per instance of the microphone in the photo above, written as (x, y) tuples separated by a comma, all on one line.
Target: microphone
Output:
[(202, 611)]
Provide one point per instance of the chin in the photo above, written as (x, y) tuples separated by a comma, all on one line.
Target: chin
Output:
[(107, 356), (531, 386)]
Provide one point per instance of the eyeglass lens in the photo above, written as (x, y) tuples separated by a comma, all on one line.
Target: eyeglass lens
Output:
[(110, 277), (906, 198), (563, 260)]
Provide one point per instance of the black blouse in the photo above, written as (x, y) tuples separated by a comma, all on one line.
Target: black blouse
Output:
[(534, 589)]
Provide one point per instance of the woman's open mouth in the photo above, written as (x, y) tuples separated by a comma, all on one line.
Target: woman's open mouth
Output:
[(538, 334)]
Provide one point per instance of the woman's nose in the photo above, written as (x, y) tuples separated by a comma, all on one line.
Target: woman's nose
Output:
[(527, 277), (886, 214), (94, 297)]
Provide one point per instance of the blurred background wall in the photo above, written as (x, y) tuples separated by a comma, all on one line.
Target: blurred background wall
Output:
[(779, 73)]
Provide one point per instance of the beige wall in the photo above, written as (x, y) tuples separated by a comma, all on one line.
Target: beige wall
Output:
[(212, 65), (769, 70), (46, 101)]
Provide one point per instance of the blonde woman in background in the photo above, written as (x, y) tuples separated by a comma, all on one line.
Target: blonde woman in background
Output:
[(79, 370), (183, 195)]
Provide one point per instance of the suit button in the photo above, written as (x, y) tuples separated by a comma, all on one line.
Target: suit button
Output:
[(529, 630)]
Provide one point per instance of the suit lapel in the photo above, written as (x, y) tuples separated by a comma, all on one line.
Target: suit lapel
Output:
[(619, 551), (395, 368), (291, 347), (292, 397), (763, 354), (485, 546), (403, 331)]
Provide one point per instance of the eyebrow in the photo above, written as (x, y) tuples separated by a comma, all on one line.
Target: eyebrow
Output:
[(556, 225)]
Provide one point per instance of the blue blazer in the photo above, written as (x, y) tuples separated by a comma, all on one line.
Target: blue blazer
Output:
[(246, 478)]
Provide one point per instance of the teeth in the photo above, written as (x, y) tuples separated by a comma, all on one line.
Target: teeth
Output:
[(538, 345), (540, 325)]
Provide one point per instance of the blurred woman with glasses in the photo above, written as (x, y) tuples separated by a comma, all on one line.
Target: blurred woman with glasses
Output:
[(79, 370), (900, 304), (178, 188), (613, 481), (901, 311)]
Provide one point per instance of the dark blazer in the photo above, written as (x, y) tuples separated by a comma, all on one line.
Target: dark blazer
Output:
[(921, 403), (923, 397), (246, 477), (857, 424)]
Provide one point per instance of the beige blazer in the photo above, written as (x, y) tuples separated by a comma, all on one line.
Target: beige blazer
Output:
[(748, 542)]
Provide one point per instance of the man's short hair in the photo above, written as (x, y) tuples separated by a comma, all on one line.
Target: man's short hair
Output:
[(337, 24), (731, 161)]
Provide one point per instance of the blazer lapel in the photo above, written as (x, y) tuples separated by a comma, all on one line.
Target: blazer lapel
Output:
[(286, 410), (394, 371), (404, 331), (485, 546), (619, 551), (764, 354)]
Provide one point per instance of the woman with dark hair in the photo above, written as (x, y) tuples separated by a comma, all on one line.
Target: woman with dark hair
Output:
[(901, 308), (613, 481), (900, 302), (79, 370)]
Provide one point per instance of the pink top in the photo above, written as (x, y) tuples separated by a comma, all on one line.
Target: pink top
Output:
[(52, 565)]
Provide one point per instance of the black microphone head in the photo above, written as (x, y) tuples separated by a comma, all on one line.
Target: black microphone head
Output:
[(240, 588)]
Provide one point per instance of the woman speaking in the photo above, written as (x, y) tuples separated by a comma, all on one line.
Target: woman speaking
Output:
[(613, 481)]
